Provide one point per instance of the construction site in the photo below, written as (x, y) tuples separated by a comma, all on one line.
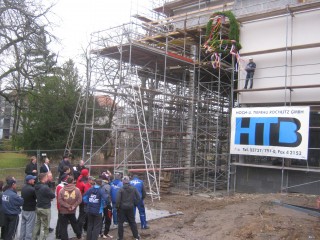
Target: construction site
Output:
[(170, 79)]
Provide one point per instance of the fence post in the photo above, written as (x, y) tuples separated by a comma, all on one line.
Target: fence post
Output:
[(38, 162)]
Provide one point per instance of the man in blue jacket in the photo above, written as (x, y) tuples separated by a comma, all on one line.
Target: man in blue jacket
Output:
[(11, 204), (138, 184), (116, 184), (95, 198)]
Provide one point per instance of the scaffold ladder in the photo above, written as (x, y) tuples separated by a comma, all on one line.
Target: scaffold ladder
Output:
[(145, 143), (74, 124)]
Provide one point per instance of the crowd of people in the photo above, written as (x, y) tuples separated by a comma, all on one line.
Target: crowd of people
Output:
[(99, 200)]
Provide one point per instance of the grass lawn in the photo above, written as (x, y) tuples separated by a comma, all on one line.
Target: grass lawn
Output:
[(13, 160), (13, 164)]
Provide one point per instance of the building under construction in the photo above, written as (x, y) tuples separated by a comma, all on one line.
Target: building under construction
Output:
[(174, 76)]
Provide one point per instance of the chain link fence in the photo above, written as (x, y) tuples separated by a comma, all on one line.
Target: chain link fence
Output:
[(13, 163)]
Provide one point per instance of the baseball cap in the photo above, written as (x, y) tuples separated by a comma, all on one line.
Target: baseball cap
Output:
[(29, 177), (250, 58)]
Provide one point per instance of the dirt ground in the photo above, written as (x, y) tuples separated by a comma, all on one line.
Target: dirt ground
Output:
[(241, 216)]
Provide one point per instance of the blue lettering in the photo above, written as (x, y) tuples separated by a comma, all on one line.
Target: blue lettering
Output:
[(268, 131)]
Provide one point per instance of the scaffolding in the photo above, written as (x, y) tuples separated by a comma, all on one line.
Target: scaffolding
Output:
[(171, 107)]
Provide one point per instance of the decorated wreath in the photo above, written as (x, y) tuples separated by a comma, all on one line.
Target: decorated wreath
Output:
[(218, 45)]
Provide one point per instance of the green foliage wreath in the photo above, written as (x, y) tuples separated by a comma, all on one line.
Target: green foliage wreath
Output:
[(213, 33)]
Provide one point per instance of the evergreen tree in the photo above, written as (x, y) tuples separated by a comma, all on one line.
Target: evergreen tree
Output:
[(51, 105)]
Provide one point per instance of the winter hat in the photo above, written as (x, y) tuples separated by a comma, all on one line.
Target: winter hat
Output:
[(85, 172)]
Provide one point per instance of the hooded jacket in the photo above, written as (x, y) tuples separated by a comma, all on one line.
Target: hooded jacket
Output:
[(11, 202), (69, 199), (128, 197), (83, 182), (95, 198), (44, 195), (77, 170), (106, 187), (28, 194)]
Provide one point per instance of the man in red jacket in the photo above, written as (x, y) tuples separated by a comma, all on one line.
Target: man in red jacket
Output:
[(69, 199), (84, 185)]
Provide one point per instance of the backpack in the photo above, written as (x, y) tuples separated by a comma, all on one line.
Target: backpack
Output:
[(95, 196), (94, 201)]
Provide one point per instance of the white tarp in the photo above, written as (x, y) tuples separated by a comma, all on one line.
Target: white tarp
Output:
[(270, 131)]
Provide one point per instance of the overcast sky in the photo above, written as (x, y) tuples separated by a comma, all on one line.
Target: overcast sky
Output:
[(76, 19)]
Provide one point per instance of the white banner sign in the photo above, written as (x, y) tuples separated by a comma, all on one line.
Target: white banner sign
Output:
[(274, 131)]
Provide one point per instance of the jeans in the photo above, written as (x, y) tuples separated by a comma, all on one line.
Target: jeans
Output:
[(249, 78), (94, 226), (41, 229), (28, 220), (114, 213), (127, 215), (12, 222), (64, 220)]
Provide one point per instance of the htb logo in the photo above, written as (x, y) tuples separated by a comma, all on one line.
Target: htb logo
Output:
[(268, 131)]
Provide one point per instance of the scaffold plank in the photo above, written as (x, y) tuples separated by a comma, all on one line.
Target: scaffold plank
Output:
[(290, 88), (282, 49)]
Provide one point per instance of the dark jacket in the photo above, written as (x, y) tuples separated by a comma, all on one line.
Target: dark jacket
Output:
[(61, 165), (2, 219), (77, 171), (44, 169), (28, 193), (106, 187), (127, 197), (251, 66), (95, 198), (44, 195), (30, 167), (11, 202)]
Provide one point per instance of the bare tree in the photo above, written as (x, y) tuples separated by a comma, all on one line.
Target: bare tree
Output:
[(24, 54)]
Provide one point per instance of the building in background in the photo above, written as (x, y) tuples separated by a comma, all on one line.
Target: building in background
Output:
[(5, 119)]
